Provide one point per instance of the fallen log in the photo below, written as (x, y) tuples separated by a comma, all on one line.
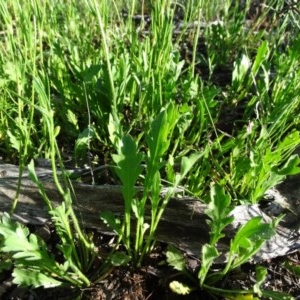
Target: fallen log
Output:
[(184, 223)]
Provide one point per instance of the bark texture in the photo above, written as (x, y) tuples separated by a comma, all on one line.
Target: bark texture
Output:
[(184, 223)]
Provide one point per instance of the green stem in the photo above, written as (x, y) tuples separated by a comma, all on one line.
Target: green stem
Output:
[(221, 292), (109, 68), (15, 202)]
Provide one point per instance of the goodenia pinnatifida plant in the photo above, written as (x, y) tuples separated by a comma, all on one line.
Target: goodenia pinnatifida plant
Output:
[(76, 248), (140, 240), (31, 261), (246, 242)]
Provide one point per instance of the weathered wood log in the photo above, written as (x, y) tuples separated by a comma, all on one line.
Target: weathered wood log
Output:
[(183, 223)]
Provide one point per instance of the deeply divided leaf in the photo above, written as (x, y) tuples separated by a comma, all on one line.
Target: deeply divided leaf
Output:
[(34, 278), (218, 211), (209, 254), (175, 258), (129, 167), (249, 239), (113, 222)]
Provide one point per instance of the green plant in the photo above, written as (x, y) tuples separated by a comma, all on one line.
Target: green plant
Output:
[(261, 153), (262, 167), (30, 254), (105, 67), (129, 168), (246, 242), (32, 263)]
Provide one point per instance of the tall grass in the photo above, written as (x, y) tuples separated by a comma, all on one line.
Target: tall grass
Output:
[(115, 63)]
